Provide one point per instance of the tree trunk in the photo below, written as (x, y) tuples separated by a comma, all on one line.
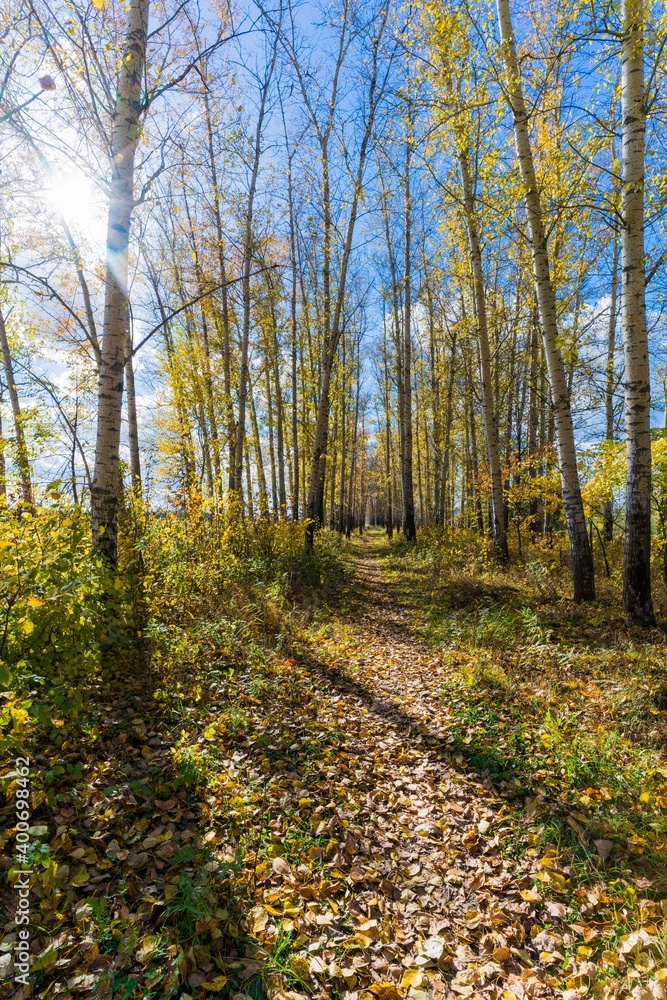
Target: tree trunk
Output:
[(333, 319), (447, 435), (280, 421), (533, 418), (271, 435), (343, 440), (608, 514), (436, 408), (333, 470), (128, 111), (259, 461), (248, 476), (637, 602), (294, 347), (132, 423), (182, 416), (353, 465), (488, 407), (582, 555), (224, 295), (22, 460), (387, 417), (396, 322), (204, 351), (244, 374), (3, 461), (475, 464), (418, 449), (409, 529)]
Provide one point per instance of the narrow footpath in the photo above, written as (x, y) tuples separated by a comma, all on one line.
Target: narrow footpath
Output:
[(441, 906)]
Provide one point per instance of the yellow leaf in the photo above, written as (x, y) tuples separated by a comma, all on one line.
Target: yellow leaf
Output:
[(35, 602), (99, 4), (412, 977), (215, 984), (258, 919), (45, 958), (147, 947), (558, 881), (530, 896), (28, 627), (363, 940), (385, 991)]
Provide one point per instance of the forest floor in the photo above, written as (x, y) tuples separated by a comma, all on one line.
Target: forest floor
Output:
[(437, 785)]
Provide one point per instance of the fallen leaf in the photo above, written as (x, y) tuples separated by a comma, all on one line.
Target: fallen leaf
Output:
[(213, 985), (604, 848), (385, 991), (433, 947)]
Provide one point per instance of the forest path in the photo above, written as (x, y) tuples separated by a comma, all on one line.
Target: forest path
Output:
[(436, 894)]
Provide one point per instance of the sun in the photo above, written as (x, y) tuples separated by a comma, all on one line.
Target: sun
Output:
[(72, 195)]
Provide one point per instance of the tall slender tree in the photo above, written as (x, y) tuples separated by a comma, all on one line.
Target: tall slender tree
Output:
[(637, 600), (582, 554), (126, 130)]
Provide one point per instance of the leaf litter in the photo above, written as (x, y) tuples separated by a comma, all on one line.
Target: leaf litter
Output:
[(304, 831)]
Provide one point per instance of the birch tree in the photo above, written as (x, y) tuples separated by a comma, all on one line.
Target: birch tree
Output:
[(582, 555), (637, 601), (21, 450), (248, 250), (125, 137)]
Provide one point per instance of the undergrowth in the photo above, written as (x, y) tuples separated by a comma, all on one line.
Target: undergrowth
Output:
[(134, 746), (555, 703)]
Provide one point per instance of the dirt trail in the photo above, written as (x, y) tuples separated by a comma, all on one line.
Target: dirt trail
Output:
[(445, 906)]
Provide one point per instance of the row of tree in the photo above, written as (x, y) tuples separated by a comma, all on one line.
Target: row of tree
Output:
[(374, 262)]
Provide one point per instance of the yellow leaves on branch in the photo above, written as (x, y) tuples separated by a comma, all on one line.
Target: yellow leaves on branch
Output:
[(606, 469), (602, 470)]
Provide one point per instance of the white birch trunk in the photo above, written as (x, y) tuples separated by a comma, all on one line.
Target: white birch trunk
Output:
[(637, 602), (582, 555), (248, 249), (126, 128), (22, 459), (409, 529)]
